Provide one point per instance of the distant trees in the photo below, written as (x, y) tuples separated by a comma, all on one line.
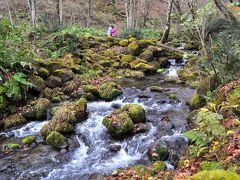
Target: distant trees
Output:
[(228, 14), (33, 11), (9, 12), (60, 10), (131, 8), (88, 13)]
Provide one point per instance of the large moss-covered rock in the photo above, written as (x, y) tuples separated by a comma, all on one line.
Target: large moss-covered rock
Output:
[(234, 96), (147, 55), (56, 139), (54, 81), (108, 91), (215, 175), (134, 74), (54, 65), (13, 121), (38, 83), (64, 74), (106, 63), (134, 48), (108, 53), (65, 117), (196, 101), (136, 112), (119, 124)]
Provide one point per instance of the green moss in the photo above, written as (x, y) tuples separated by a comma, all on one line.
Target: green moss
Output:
[(123, 42), (141, 170), (64, 74), (158, 166), (136, 112), (2, 102), (55, 139), (234, 97), (54, 110), (38, 83), (40, 107), (173, 96), (108, 91), (147, 55), (13, 121), (118, 124), (116, 64), (13, 146), (56, 99), (215, 175), (162, 153), (64, 128), (54, 81), (206, 165), (43, 72), (91, 89), (145, 67), (126, 58), (196, 101), (105, 63), (108, 53), (96, 57), (161, 71), (132, 39), (134, 48), (29, 140)]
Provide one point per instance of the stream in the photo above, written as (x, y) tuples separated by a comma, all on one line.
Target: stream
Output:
[(96, 152)]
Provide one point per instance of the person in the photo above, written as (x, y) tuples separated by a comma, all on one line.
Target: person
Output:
[(114, 31), (109, 33)]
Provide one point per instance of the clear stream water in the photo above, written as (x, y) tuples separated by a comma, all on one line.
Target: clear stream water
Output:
[(94, 155)]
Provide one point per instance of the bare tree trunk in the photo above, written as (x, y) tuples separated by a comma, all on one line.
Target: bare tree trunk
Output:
[(131, 7), (88, 12), (33, 7), (191, 7), (228, 14), (146, 12), (60, 11), (9, 12), (168, 23)]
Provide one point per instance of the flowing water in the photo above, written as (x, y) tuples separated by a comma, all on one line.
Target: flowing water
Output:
[(98, 152)]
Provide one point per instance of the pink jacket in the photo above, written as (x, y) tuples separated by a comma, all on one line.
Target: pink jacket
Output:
[(114, 32)]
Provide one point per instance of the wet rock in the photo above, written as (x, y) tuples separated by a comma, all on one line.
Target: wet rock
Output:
[(116, 105), (64, 74), (96, 176), (62, 151), (156, 89), (14, 120), (114, 148), (43, 72), (29, 140), (65, 97), (144, 95), (55, 139), (91, 89), (140, 128), (145, 67)]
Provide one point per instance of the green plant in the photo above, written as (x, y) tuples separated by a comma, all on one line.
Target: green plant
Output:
[(129, 33), (209, 96)]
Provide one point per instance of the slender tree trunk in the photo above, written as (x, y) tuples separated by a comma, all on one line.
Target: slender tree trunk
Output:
[(168, 23), (131, 7), (60, 11), (88, 12), (9, 12), (228, 14), (33, 7), (146, 12)]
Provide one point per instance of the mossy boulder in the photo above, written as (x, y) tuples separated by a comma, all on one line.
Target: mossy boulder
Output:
[(126, 58), (56, 139), (215, 175), (134, 74), (43, 72), (196, 101), (158, 152), (38, 83), (147, 55), (106, 63), (108, 53), (54, 81), (132, 39), (12, 146), (173, 96), (119, 124), (163, 62), (123, 42), (141, 170), (144, 43), (158, 166), (116, 64), (156, 89), (64, 74), (97, 57), (69, 113), (136, 112), (187, 74), (145, 67), (134, 48), (56, 99), (54, 65), (91, 89), (13, 121), (28, 140), (108, 91)]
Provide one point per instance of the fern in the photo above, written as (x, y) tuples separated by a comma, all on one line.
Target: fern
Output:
[(196, 137)]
